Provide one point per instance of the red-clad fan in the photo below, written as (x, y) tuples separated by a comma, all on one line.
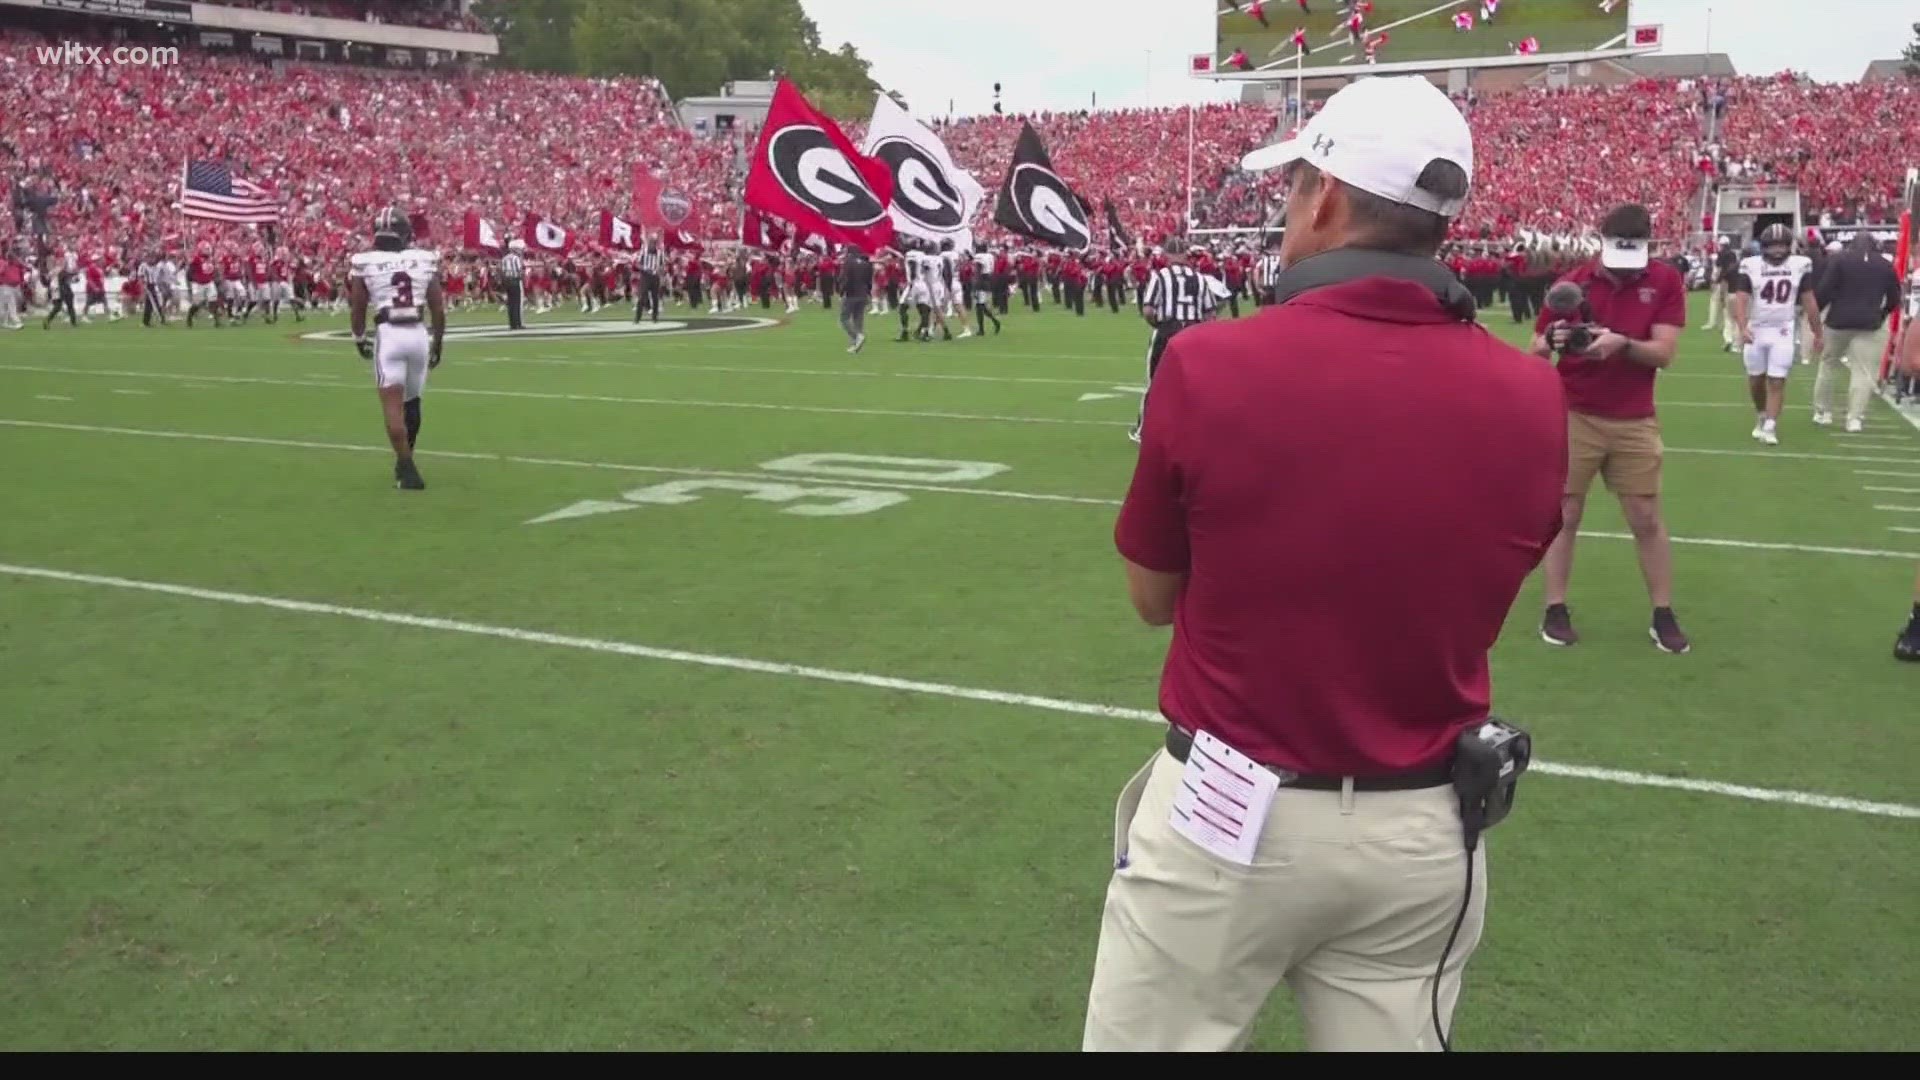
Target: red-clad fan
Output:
[(202, 290)]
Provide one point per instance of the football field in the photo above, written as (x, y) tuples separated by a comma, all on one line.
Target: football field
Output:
[(728, 691), (1419, 29)]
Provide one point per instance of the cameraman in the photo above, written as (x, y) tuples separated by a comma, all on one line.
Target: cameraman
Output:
[(1336, 546), (1619, 334)]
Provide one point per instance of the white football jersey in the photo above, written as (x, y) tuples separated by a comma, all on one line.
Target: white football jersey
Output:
[(1775, 288), (397, 280)]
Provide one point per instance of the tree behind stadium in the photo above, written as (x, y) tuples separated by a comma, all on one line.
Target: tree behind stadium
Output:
[(693, 46)]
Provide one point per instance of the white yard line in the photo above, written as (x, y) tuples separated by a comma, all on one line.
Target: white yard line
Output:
[(608, 399), (1891, 490), (688, 403), (51, 397), (1029, 496), (1899, 509), (884, 682), (1907, 529), (1887, 472)]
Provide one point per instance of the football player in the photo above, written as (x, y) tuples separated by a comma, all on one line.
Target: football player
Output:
[(1768, 293), (395, 279)]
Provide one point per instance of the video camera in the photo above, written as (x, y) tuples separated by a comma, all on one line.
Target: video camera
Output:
[(1572, 313)]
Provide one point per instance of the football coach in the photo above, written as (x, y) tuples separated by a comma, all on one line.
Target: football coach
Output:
[(1334, 505)]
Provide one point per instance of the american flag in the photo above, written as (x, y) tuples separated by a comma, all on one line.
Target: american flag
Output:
[(209, 189)]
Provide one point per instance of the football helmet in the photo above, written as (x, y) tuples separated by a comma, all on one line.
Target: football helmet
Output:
[(392, 231)]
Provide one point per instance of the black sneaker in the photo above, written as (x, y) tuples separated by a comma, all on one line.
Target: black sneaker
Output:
[(407, 477), (1556, 626), (1908, 645), (1666, 632)]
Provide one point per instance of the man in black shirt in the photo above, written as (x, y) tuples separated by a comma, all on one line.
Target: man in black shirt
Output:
[(1858, 290), (856, 289), (1726, 262)]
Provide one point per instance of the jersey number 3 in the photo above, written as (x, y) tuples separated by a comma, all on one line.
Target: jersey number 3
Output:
[(402, 289)]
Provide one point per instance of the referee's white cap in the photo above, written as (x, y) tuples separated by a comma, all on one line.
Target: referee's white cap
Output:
[(1379, 134)]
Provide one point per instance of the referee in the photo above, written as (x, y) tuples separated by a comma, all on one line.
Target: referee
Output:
[(513, 272), (1176, 297), (155, 280), (647, 297)]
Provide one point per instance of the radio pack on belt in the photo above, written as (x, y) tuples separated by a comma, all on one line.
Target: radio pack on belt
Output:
[(1487, 763)]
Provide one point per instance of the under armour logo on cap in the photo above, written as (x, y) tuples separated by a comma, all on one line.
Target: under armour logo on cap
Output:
[(1322, 145)]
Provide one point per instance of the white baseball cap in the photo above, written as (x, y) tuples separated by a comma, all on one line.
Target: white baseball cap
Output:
[(1619, 253), (1379, 134)]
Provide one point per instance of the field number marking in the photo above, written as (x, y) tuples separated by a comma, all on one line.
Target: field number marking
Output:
[(836, 501)]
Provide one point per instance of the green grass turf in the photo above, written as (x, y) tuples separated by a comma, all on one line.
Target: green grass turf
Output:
[(235, 827), (1561, 26)]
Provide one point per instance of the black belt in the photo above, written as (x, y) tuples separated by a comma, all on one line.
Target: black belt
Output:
[(1180, 743)]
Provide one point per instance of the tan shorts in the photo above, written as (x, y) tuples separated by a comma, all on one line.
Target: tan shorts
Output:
[(1626, 454)]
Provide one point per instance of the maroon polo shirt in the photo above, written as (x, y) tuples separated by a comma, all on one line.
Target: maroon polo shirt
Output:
[(1632, 303), (1357, 484)]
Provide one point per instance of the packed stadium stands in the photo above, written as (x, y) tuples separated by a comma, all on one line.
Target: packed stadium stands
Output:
[(108, 145), (111, 142), (1847, 145), (393, 12)]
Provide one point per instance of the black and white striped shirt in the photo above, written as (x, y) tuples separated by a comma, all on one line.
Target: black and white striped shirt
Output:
[(513, 267), (1267, 269), (1177, 293), (155, 277), (650, 262)]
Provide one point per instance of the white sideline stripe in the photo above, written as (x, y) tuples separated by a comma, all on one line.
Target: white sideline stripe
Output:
[(726, 370), (533, 395), (1908, 529), (1761, 545), (1899, 509), (884, 682), (1910, 417), (1885, 472), (1793, 454), (527, 459), (1032, 496), (1891, 490)]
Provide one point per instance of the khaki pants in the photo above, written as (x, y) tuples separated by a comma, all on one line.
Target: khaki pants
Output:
[(1854, 351), (1349, 902)]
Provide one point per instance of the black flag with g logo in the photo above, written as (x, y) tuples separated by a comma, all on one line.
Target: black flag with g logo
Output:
[(1035, 202)]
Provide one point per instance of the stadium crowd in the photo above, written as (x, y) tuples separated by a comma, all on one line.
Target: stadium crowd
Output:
[(107, 145), (391, 12), (94, 154), (1783, 130)]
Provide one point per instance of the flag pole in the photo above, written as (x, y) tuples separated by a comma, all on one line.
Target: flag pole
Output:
[(1189, 218), (1300, 89)]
